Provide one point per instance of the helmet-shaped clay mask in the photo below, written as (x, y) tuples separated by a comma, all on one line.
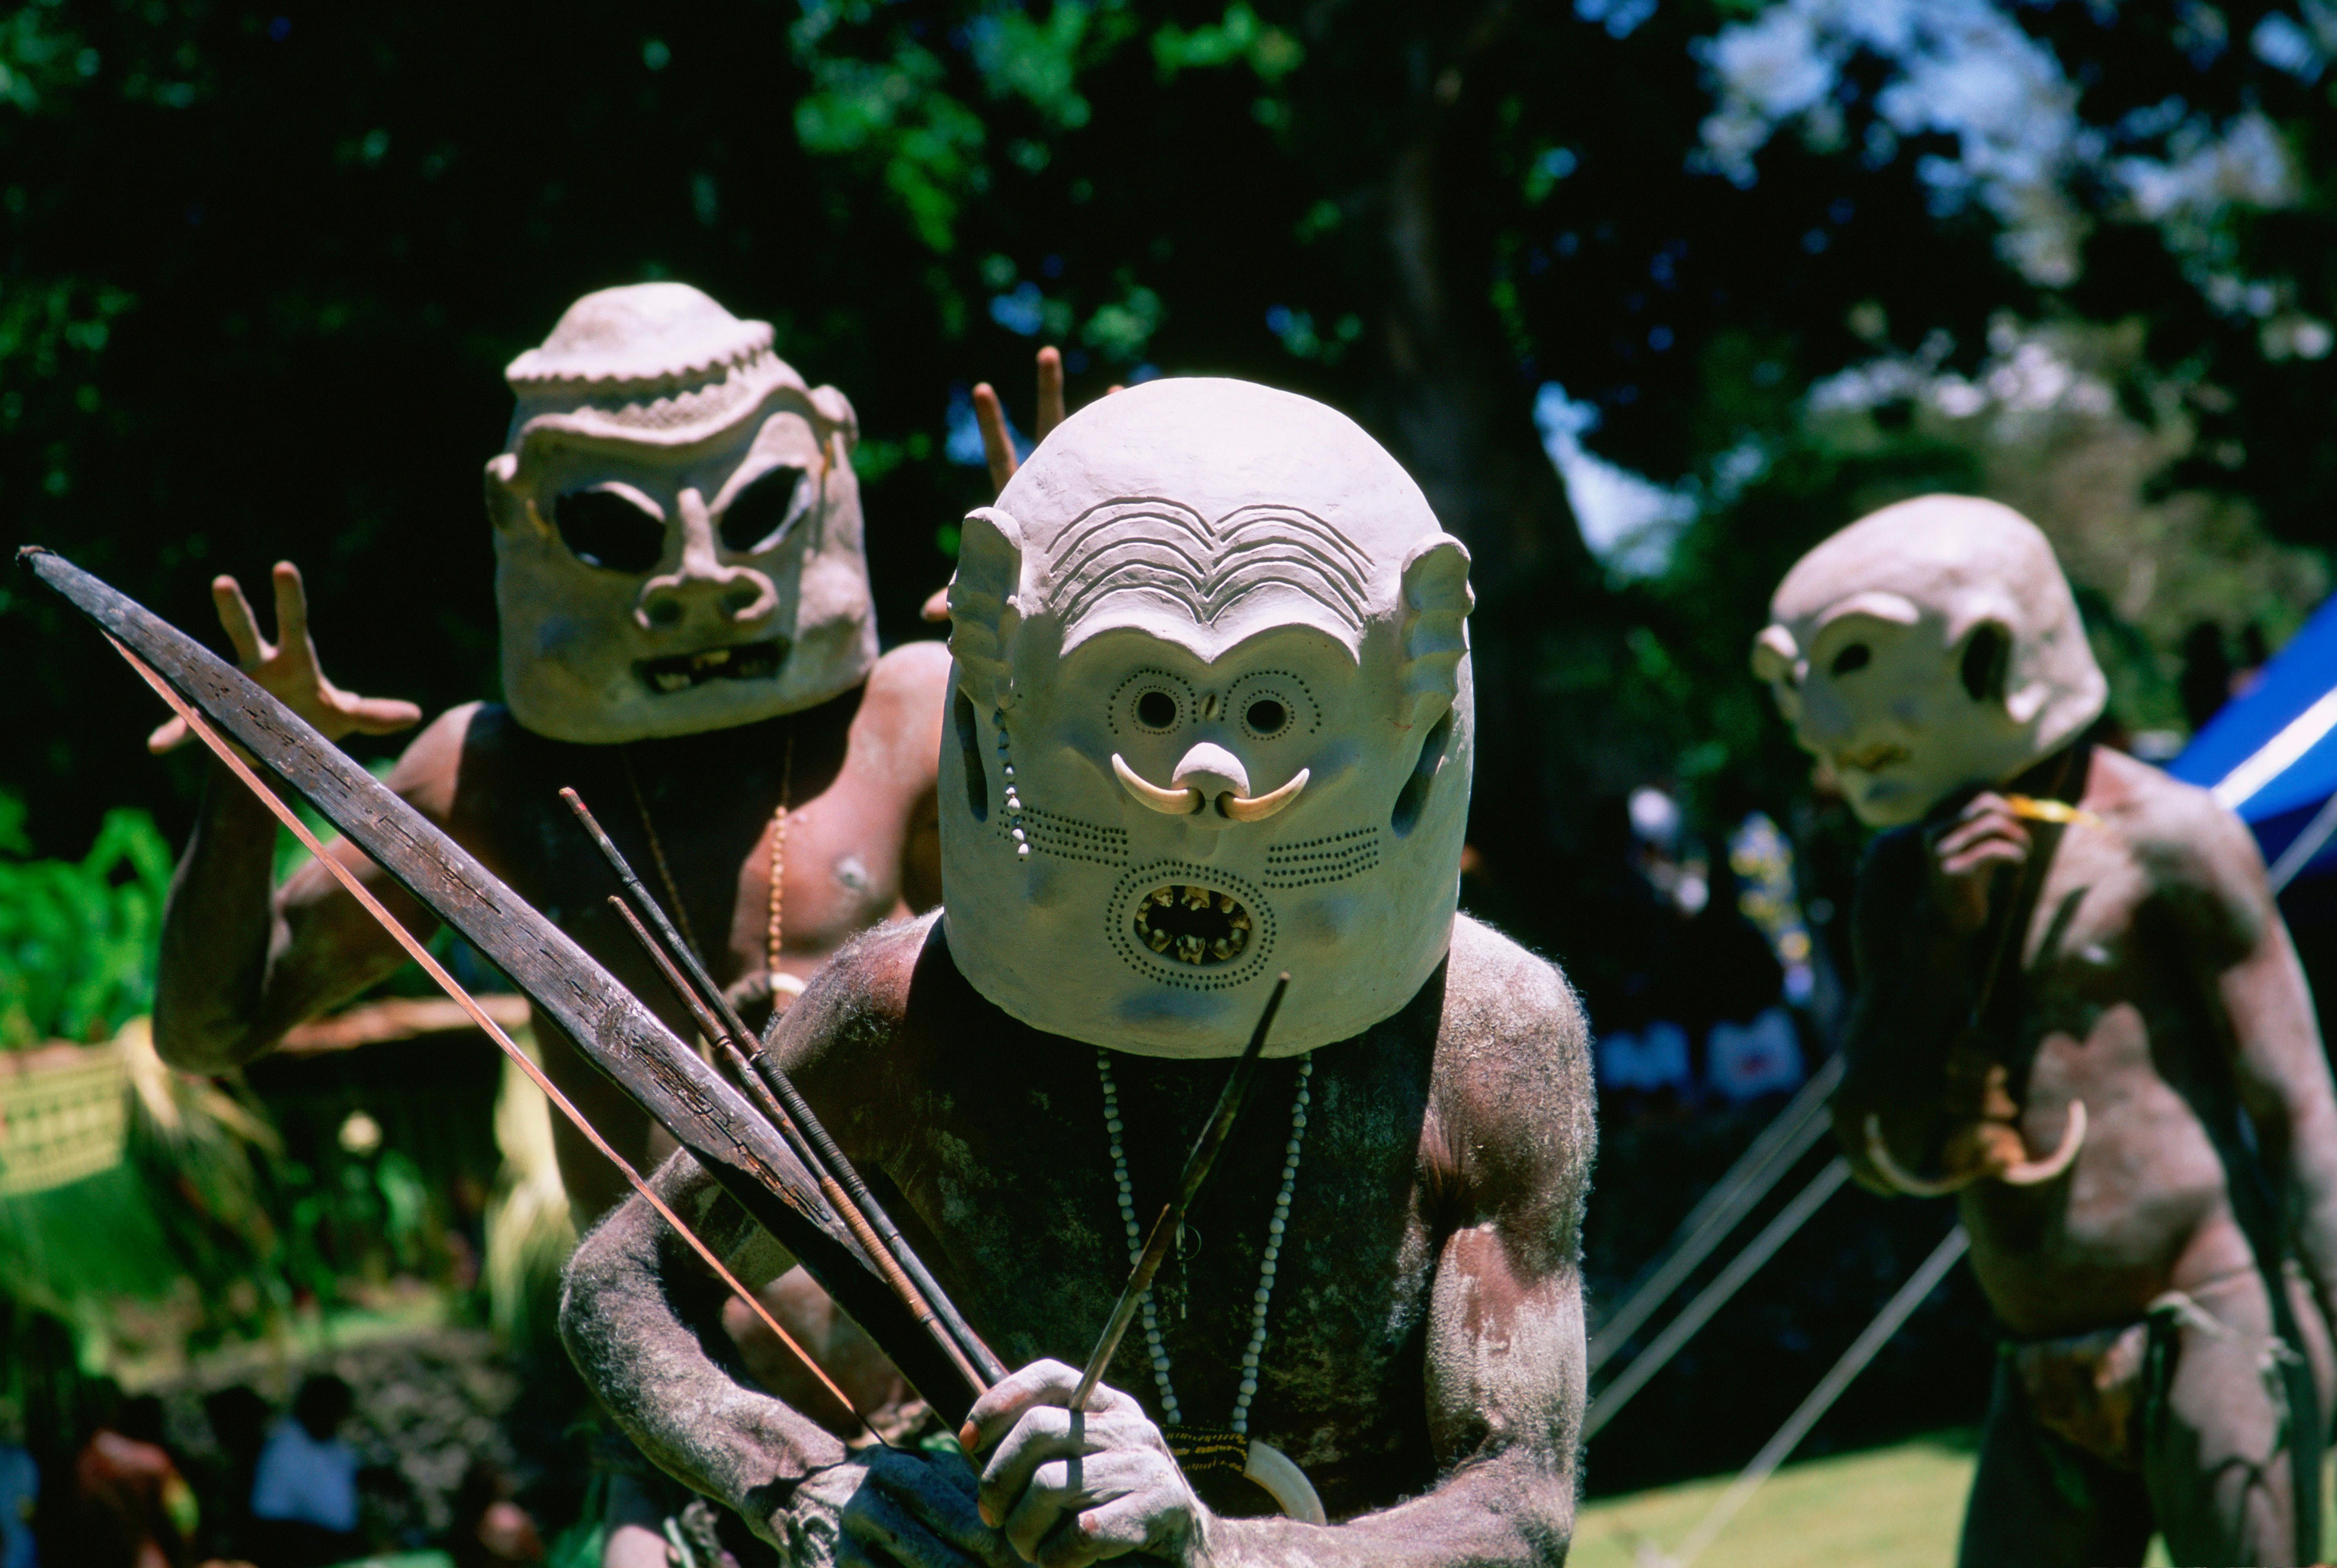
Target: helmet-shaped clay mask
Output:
[(1211, 721), (1930, 646), (678, 542)]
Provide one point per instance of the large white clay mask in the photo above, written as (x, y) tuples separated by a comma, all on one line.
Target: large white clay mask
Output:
[(1211, 721), (1930, 647), (677, 541)]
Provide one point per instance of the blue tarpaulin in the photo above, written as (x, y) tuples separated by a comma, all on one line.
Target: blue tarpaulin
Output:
[(2272, 755)]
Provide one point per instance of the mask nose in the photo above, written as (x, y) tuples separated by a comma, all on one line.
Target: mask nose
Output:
[(702, 589), (1212, 770)]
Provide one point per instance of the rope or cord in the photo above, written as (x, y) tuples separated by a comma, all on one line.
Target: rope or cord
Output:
[(1887, 1322), (2303, 847), (1764, 1163), (1697, 1312)]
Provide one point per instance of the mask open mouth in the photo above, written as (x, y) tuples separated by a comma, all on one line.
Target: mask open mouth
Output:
[(1870, 759), (681, 671), (1193, 924)]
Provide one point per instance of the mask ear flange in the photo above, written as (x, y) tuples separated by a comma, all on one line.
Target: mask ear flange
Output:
[(1986, 661), (969, 741), (1413, 799)]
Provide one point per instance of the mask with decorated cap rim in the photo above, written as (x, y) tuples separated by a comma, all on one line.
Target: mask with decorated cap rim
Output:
[(677, 524)]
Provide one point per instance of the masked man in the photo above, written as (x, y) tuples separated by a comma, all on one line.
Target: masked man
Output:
[(688, 639), (2079, 1006), (1210, 720)]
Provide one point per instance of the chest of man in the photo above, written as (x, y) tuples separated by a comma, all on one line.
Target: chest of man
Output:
[(1009, 1167), (2107, 1008), (706, 833)]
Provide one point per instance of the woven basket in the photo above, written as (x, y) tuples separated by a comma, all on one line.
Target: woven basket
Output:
[(64, 1114)]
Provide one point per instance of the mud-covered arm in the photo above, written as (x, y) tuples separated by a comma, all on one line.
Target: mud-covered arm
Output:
[(1513, 1131), (242, 960), (1912, 995), (2210, 878), (641, 1318)]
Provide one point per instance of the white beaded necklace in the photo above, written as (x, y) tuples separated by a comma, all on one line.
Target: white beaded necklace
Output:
[(1240, 1422)]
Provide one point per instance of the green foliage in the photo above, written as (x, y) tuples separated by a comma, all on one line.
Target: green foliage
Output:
[(77, 937), (1271, 53)]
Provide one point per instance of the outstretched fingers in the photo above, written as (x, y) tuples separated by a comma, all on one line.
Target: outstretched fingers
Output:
[(378, 714), (997, 445), (291, 607), (236, 620), (1051, 391)]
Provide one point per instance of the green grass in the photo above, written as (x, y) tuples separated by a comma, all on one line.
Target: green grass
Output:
[(1896, 1507)]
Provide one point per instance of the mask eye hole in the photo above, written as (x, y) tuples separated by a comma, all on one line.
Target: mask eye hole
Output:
[(757, 515), (1856, 657), (1266, 716), (1155, 709), (604, 530)]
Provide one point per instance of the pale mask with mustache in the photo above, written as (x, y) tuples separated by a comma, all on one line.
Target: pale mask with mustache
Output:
[(1211, 721), (1930, 647), (677, 536)]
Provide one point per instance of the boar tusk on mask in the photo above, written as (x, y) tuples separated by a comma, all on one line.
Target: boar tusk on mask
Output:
[(1257, 808), (2035, 1172), (1878, 1153), (1176, 802)]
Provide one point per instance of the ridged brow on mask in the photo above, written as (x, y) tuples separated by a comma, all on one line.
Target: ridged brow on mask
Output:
[(1149, 542)]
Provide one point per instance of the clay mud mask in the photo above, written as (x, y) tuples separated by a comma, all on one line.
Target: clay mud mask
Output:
[(1210, 720), (677, 531)]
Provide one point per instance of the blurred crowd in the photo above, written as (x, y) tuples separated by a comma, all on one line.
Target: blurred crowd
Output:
[(273, 1489), (1712, 993)]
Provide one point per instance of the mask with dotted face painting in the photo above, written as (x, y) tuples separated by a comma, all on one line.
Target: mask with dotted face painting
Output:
[(1928, 647), (1211, 720), (678, 540)]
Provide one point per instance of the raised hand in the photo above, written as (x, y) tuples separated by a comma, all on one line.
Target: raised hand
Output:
[(288, 668), (998, 442), (1965, 854), (1067, 1488)]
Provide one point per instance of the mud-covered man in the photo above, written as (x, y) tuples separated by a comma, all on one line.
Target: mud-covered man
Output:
[(688, 639), (1210, 720), (2078, 1009)]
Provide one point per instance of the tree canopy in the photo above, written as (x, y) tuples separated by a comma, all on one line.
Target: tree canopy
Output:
[(259, 273)]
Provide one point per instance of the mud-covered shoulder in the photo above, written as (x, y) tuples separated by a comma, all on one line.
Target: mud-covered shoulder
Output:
[(1513, 1087), (469, 741), (844, 1041), (899, 726), (2202, 862)]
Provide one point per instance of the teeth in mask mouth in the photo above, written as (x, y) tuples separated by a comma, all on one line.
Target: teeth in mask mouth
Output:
[(1193, 924), (681, 671)]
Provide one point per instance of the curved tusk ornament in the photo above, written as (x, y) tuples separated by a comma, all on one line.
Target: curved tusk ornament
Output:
[(1285, 1482), (2028, 1174), (2035, 1172), (1257, 808), (1176, 802), (1878, 1153)]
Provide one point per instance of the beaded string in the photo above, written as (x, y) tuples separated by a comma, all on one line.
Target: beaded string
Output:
[(1013, 796), (776, 927), (1275, 1229)]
